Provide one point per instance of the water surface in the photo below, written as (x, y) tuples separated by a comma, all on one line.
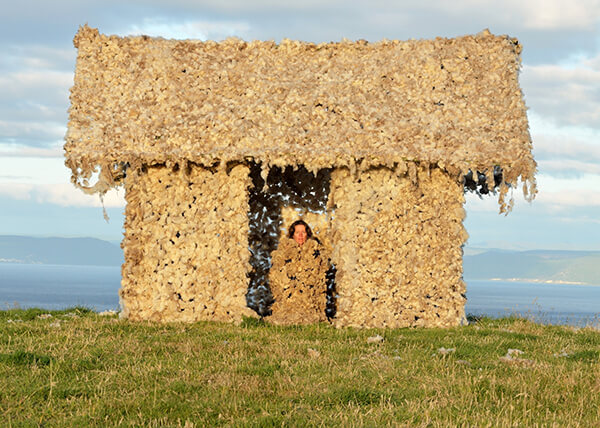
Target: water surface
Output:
[(96, 287)]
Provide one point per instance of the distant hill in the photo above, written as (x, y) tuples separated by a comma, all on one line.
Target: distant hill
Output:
[(478, 263), (65, 251), (541, 265)]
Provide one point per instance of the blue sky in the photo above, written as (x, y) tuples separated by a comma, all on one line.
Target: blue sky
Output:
[(560, 79)]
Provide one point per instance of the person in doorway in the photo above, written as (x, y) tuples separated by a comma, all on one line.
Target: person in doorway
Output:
[(297, 277)]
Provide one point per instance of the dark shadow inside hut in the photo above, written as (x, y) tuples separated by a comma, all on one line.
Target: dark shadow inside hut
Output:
[(477, 182), (295, 187)]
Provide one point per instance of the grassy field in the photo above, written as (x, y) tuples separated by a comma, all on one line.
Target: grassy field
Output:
[(77, 368)]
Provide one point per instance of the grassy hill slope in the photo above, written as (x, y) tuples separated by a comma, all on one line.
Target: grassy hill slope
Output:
[(77, 368)]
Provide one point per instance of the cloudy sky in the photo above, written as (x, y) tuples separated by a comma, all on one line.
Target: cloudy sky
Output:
[(560, 79)]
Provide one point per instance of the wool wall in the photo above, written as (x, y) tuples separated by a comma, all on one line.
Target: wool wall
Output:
[(398, 247), (186, 244)]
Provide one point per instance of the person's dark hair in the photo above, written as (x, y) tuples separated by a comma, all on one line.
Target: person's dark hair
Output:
[(297, 223)]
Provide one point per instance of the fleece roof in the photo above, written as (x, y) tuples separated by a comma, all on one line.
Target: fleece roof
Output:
[(451, 103)]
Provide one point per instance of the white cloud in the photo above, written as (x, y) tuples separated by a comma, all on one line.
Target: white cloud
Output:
[(24, 79), (567, 199), (200, 30), (63, 194), (566, 193), (555, 194), (566, 146), (587, 182), (47, 180), (19, 191), (245, 6), (38, 170), (531, 14), (474, 203), (567, 167), (36, 57), (534, 14), (557, 14), (35, 87), (562, 150), (36, 132), (580, 219), (569, 94), (21, 151), (549, 143), (566, 154), (66, 194)]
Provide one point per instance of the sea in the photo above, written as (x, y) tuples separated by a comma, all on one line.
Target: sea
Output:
[(96, 287)]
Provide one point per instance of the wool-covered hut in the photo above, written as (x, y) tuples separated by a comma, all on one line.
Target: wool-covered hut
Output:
[(215, 143)]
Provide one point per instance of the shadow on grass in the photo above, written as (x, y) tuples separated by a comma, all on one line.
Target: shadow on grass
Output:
[(506, 319), (586, 356), (24, 358), (30, 314), (250, 322)]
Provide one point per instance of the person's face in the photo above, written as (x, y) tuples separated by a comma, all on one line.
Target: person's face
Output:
[(300, 234)]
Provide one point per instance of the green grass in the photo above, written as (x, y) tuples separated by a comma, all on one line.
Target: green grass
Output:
[(77, 368)]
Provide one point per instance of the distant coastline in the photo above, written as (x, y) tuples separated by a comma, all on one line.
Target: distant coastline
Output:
[(59, 251), (539, 281), (561, 267), (495, 279)]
